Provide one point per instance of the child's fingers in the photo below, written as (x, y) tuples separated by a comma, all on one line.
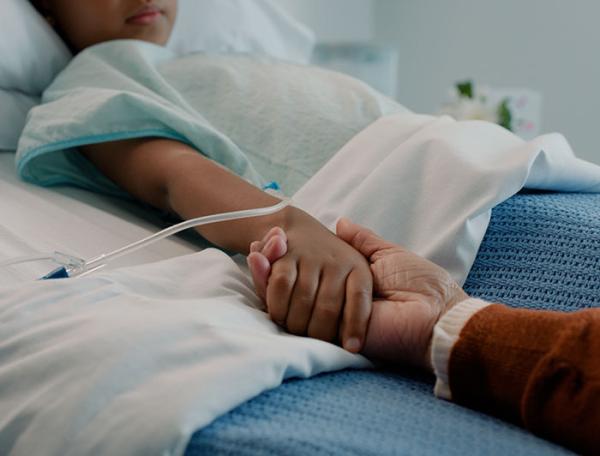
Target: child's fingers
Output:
[(303, 299), (279, 289), (328, 307), (260, 267), (357, 309)]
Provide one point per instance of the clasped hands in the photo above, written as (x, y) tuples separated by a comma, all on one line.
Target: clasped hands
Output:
[(393, 324)]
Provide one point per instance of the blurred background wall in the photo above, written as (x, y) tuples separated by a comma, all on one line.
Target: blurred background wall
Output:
[(335, 20), (550, 46)]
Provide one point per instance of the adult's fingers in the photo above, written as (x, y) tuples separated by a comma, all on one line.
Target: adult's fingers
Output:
[(303, 299), (279, 289), (357, 309), (259, 246), (262, 254), (275, 248), (260, 268), (361, 238)]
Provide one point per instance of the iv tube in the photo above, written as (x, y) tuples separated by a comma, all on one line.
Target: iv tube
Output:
[(101, 260)]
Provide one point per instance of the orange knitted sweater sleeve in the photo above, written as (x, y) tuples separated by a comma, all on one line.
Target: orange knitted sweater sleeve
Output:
[(539, 368)]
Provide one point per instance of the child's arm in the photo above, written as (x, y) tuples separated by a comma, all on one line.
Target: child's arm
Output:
[(319, 280), (171, 176)]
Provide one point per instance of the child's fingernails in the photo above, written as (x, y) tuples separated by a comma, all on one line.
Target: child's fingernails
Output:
[(352, 345)]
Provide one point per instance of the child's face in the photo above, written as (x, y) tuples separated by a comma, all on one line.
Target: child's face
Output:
[(84, 23)]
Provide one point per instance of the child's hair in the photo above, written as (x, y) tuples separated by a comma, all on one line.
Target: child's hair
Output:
[(38, 7)]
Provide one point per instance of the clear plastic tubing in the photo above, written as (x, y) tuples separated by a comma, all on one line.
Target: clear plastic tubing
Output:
[(105, 258)]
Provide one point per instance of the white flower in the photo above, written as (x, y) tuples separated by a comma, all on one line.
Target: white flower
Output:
[(470, 109)]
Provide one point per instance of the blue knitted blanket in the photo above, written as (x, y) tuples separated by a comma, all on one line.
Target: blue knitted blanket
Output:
[(541, 251)]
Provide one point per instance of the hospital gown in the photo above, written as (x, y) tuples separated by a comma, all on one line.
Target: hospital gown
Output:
[(265, 120)]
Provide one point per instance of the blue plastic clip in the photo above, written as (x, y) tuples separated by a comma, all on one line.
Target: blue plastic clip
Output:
[(58, 273), (272, 186)]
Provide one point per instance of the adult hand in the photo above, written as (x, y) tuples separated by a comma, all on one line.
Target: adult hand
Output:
[(411, 295)]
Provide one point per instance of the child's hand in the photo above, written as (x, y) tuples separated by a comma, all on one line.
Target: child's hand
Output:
[(318, 286)]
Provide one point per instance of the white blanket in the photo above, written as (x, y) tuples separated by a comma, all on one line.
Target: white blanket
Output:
[(430, 183), (133, 361), (73, 221)]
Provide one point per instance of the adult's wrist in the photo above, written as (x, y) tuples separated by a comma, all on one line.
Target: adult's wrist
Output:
[(445, 335), (453, 295)]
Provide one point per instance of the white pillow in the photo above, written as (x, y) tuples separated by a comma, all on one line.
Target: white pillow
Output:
[(14, 107), (248, 26), (31, 54)]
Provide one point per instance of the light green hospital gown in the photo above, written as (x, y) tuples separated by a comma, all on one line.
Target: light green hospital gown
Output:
[(265, 120)]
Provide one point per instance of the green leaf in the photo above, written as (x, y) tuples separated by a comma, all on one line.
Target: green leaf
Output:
[(504, 115), (465, 89)]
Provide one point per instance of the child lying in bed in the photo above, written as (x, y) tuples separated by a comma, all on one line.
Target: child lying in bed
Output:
[(241, 123)]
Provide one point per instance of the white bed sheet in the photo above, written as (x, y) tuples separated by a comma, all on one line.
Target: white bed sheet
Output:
[(72, 221)]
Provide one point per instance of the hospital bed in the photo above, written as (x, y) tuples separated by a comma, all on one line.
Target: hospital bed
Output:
[(542, 250)]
